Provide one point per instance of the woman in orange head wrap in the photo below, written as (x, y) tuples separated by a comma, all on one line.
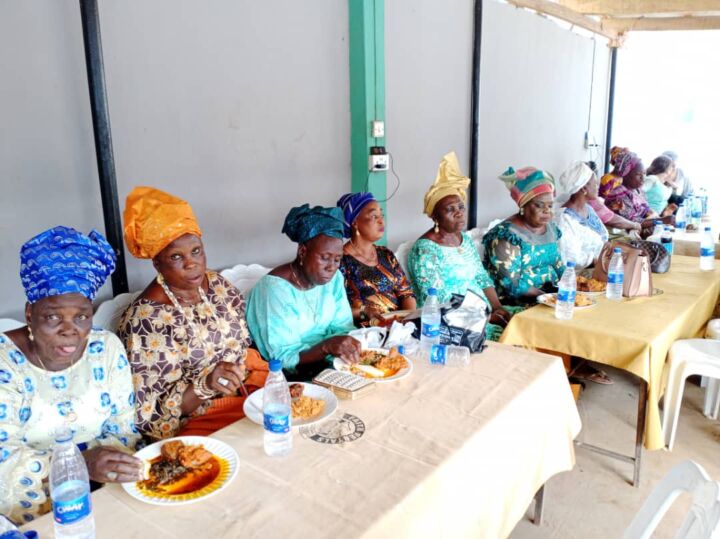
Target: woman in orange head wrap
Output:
[(186, 335)]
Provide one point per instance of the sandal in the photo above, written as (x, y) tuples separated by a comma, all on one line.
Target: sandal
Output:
[(594, 375)]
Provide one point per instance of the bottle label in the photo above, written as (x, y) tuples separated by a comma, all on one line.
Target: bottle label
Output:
[(707, 251), (72, 510), (431, 330), (566, 295), (615, 278), (680, 224), (668, 246), (276, 423), (438, 354)]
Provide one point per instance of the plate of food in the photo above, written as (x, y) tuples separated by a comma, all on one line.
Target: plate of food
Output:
[(590, 286), (310, 403), (378, 364), (582, 301), (184, 470)]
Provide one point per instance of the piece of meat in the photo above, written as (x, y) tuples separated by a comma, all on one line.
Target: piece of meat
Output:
[(193, 456), (169, 450), (296, 391)]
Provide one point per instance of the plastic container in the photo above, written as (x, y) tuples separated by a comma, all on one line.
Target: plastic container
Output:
[(449, 355), (567, 287), (70, 490), (681, 217), (666, 239), (658, 230), (277, 412), (616, 276), (430, 321), (707, 250)]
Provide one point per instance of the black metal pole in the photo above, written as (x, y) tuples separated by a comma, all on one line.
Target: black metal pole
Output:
[(475, 114), (103, 138), (611, 107)]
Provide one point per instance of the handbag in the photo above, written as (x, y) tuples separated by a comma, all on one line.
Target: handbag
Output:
[(629, 253), (660, 258), (637, 277)]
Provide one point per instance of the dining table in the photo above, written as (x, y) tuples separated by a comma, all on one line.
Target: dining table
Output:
[(632, 334), (443, 452)]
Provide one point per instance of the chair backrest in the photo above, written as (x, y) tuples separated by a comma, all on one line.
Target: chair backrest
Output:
[(477, 235), (704, 517), (109, 313), (713, 329), (6, 324), (402, 252), (244, 277)]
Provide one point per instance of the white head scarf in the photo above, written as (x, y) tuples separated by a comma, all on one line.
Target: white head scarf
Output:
[(571, 181)]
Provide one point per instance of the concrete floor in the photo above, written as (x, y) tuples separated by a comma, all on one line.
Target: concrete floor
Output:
[(596, 499)]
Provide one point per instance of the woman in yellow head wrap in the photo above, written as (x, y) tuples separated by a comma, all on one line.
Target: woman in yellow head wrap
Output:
[(445, 257), (185, 334)]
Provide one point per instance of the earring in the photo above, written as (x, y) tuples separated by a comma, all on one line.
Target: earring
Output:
[(30, 335), (437, 228), (357, 232), (522, 211)]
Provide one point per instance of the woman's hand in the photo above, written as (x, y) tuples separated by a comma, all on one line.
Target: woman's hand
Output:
[(373, 310), (500, 316), (108, 465), (344, 347), (226, 378)]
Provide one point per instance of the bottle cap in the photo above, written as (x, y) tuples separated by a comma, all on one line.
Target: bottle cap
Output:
[(401, 349), (658, 221), (707, 229), (667, 228), (432, 291), (570, 264), (275, 365), (617, 250)]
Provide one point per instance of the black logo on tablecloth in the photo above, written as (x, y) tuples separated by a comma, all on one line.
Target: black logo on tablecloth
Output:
[(338, 430)]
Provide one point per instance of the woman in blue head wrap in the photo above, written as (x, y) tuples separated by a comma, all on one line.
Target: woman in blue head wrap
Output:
[(374, 280), (58, 373), (299, 312)]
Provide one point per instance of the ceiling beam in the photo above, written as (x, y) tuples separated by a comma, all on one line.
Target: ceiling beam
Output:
[(621, 26), (561, 12), (620, 8)]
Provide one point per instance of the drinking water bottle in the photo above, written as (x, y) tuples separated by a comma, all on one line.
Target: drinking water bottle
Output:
[(703, 196), (696, 209), (658, 229), (449, 355), (707, 250), (666, 239), (680, 218), (430, 321), (277, 416), (616, 276), (565, 303), (70, 490)]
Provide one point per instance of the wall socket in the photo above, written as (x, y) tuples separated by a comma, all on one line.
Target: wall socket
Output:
[(379, 159), (378, 129)]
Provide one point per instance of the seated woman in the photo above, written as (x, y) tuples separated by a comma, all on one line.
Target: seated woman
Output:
[(521, 253), (658, 186), (374, 280), (299, 312), (57, 373), (622, 192), (583, 234), (445, 257), (606, 215), (185, 333)]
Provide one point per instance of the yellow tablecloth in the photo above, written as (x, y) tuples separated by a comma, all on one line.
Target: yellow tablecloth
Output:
[(446, 453), (633, 334)]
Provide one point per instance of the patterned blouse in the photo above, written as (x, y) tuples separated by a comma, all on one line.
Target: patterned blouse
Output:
[(519, 260), (582, 237), (166, 353), (451, 270), (385, 285), (628, 203), (94, 396)]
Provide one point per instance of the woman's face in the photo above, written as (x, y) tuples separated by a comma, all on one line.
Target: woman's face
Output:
[(60, 326), (449, 213), (182, 263), (539, 211), (635, 177), (370, 222), (320, 258), (592, 187)]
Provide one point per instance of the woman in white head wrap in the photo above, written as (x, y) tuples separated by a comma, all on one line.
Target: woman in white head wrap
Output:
[(583, 233)]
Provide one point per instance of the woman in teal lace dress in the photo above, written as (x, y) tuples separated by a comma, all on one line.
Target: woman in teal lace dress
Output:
[(521, 253), (445, 257)]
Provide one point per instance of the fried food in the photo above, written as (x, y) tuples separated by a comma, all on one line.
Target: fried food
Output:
[(585, 284), (193, 456), (375, 364), (169, 450), (306, 407), (296, 390), (180, 469), (581, 300)]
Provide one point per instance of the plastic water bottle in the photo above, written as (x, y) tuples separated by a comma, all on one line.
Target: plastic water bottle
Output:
[(696, 208), (430, 321), (70, 490), (707, 250), (449, 355), (680, 218), (658, 230), (567, 287), (703, 196), (277, 413), (666, 239), (616, 276)]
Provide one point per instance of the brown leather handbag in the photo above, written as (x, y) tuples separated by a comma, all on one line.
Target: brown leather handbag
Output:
[(637, 278), (660, 258)]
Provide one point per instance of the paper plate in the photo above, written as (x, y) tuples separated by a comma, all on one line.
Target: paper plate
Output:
[(340, 365), (549, 301), (225, 454), (253, 405)]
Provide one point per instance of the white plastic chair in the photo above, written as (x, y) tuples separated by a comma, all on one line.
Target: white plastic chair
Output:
[(477, 235), (687, 357), (6, 324), (704, 516), (108, 314), (244, 277), (712, 385), (402, 252)]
